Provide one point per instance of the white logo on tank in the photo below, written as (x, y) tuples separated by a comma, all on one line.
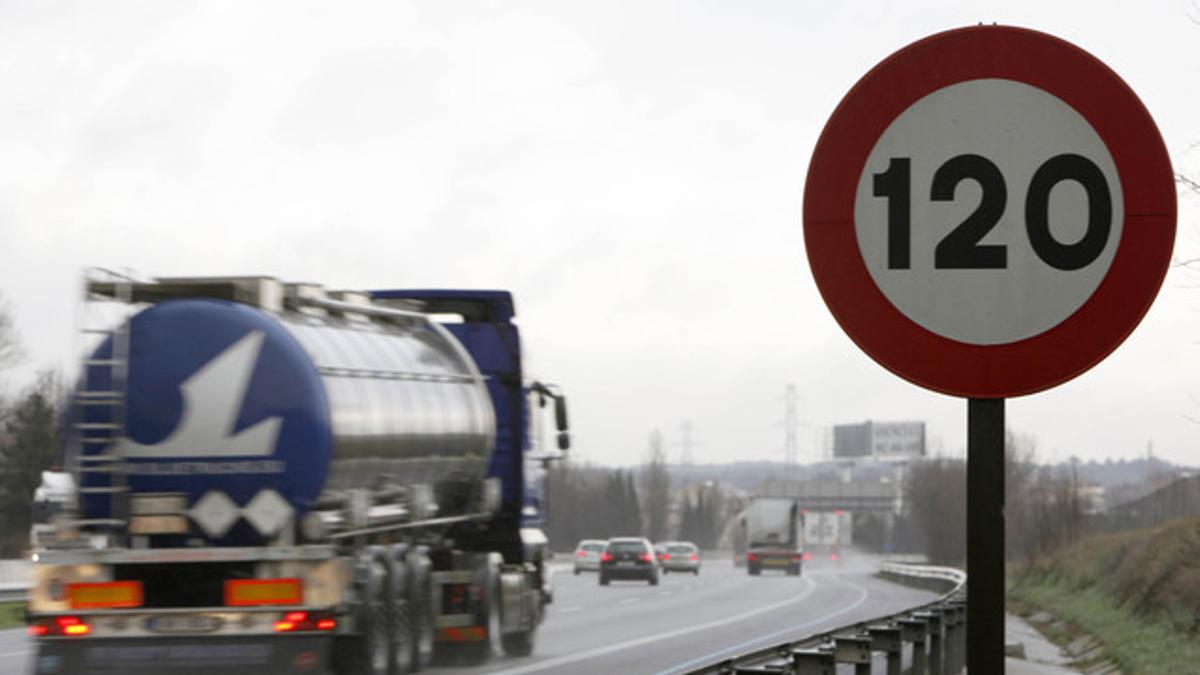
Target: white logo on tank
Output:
[(212, 398)]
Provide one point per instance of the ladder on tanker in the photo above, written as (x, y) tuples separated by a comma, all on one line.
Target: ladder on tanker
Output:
[(99, 403)]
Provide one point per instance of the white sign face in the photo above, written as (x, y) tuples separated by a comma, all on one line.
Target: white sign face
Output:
[(989, 211), (898, 439)]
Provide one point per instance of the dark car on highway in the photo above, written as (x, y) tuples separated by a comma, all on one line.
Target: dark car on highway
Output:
[(628, 558)]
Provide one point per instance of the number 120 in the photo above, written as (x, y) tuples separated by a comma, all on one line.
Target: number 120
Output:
[(960, 249)]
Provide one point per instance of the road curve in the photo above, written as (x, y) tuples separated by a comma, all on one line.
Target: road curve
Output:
[(631, 627), (686, 621)]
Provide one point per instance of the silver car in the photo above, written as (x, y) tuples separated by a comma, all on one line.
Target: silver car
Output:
[(587, 555), (679, 556)]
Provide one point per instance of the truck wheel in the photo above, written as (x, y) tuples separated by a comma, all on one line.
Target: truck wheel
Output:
[(603, 579), (488, 577), (399, 605), (420, 612), (519, 644), (369, 652), (794, 571), (653, 580), (754, 570)]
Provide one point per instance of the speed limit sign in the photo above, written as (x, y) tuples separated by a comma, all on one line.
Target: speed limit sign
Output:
[(989, 212)]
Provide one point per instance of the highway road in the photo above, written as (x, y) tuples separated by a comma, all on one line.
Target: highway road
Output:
[(631, 627)]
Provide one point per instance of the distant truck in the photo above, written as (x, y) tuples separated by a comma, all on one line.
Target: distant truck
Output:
[(773, 535), (830, 529), (267, 477)]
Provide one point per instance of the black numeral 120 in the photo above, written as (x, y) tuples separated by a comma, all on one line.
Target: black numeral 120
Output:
[(960, 249)]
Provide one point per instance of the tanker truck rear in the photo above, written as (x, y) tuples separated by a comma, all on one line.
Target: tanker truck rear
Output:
[(274, 477)]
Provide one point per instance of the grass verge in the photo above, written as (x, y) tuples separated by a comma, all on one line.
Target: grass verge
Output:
[(1138, 643), (12, 614)]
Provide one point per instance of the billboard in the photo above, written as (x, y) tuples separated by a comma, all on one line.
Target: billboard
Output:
[(879, 440), (852, 440)]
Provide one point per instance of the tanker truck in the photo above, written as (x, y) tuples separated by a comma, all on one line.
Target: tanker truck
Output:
[(277, 477)]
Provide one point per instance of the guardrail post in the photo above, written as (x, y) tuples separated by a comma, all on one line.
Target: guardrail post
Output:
[(813, 662), (949, 630), (887, 639), (853, 649), (956, 631), (934, 623), (913, 630)]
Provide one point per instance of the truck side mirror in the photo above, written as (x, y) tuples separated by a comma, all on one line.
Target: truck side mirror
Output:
[(560, 415), (564, 440)]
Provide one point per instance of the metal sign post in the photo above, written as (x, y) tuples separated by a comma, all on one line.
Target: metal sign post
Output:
[(985, 535)]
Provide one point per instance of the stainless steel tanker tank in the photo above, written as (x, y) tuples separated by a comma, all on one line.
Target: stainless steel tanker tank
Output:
[(303, 396)]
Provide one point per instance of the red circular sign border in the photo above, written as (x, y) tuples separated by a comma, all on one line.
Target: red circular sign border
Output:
[(1107, 317)]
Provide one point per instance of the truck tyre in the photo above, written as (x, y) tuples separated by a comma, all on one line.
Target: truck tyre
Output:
[(794, 571), (603, 579), (653, 579), (520, 643), (754, 570), (369, 652), (420, 608), (489, 581), (487, 576), (400, 606)]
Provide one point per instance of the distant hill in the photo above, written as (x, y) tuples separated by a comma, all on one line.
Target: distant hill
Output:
[(1126, 479), (749, 476)]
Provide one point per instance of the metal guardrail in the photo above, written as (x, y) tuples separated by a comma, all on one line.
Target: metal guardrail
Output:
[(932, 638), (13, 592)]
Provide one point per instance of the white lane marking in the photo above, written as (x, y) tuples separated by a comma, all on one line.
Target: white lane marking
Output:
[(683, 667), (629, 601), (665, 593), (568, 610), (637, 642), (20, 653)]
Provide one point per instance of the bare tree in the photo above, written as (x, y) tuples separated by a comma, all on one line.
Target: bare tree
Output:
[(937, 496), (11, 352), (656, 489)]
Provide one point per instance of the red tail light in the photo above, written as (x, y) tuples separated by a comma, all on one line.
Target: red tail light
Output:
[(303, 621), (665, 556), (62, 625), (580, 554), (797, 556), (646, 557), (607, 557), (752, 557), (695, 557)]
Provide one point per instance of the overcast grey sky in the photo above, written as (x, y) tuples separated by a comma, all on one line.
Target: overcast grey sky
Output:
[(632, 171)]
